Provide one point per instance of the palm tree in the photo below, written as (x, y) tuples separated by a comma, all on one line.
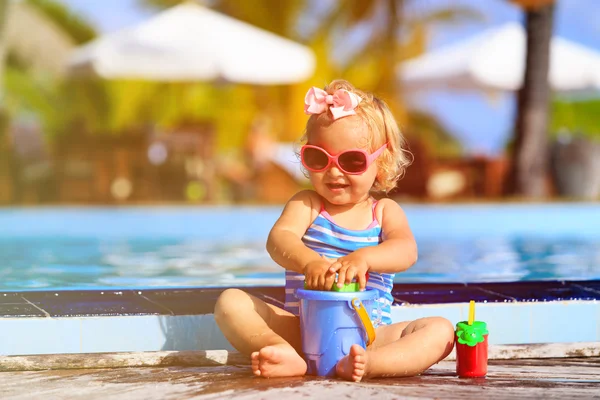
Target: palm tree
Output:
[(529, 165), (395, 35), (371, 66)]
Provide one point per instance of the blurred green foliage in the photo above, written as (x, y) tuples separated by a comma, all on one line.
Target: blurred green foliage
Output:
[(576, 117), (75, 105), (48, 97), (77, 27)]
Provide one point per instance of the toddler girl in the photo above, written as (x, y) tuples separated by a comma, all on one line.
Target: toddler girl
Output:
[(353, 148)]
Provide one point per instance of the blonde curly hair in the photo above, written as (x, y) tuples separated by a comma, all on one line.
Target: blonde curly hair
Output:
[(383, 128)]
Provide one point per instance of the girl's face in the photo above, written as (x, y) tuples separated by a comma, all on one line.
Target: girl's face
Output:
[(333, 184)]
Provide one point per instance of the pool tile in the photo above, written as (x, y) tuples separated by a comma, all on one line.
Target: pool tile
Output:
[(442, 293), (273, 295), (501, 318), (151, 333), (506, 322), (203, 300), (451, 312), (597, 315), (11, 298), (539, 290), (82, 303), (592, 287), (128, 333), (192, 332), (184, 301), (40, 336), (582, 328), (20, 310), (14, 305)]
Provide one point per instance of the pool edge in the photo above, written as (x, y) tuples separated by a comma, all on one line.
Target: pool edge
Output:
[(212, 358)]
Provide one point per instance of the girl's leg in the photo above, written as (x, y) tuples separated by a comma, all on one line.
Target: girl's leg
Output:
[(402, 349), (266, 333)]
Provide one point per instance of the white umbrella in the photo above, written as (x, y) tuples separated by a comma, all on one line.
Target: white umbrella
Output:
[(495, 60), (192, 43)]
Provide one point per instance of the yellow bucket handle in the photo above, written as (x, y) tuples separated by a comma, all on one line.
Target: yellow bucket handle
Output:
[(364, 317)]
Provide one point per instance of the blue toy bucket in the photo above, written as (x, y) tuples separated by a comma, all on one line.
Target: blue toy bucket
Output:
[(330, 323)]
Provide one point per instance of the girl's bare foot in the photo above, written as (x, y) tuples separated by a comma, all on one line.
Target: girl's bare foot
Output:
[(277, 361), (353, 367)]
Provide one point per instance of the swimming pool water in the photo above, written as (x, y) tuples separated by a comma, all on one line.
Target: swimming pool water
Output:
[(62, 248)]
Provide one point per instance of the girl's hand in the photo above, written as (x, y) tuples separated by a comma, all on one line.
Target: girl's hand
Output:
[(350, 267), (318, 275)]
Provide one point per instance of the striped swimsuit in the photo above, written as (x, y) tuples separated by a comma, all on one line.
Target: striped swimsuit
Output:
[(333, 241)]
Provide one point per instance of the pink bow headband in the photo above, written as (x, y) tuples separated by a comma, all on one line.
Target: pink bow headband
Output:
[(341, 103)]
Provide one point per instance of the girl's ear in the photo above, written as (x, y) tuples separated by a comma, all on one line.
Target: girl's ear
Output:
[(377, 182)]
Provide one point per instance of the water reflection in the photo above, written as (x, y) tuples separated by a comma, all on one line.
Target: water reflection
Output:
[(54, 262)]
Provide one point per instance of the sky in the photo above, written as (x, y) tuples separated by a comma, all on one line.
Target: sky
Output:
[(481, 123)]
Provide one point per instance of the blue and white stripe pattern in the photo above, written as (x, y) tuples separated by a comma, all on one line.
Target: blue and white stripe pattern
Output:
[(333, 241)]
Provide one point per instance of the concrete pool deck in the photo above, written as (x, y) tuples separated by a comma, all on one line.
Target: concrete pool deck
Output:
[(572, 378), (111, 344)]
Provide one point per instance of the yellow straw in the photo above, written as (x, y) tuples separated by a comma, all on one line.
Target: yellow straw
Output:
[(471, 312)]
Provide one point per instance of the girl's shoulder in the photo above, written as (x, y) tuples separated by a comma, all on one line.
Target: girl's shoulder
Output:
[(309, 197), (311, 200), (386, 206)]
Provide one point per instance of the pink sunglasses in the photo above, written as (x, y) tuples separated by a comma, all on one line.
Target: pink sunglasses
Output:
[(351, 162)]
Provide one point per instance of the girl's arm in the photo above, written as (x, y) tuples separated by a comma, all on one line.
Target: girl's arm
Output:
[(396, 253), (284, 243), (398, 250)]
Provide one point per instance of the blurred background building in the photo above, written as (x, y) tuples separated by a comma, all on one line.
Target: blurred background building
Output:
[(145, 101)]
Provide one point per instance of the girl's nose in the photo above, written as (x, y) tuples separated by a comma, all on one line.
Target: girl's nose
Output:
[(334, 170)]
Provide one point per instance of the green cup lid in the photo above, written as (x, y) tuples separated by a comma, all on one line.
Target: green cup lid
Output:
[(471, 334)]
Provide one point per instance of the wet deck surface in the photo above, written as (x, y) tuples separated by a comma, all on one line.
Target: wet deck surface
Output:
[(572, 378)]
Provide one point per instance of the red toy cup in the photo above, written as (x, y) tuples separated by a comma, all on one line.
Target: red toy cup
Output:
[(471, 349)]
